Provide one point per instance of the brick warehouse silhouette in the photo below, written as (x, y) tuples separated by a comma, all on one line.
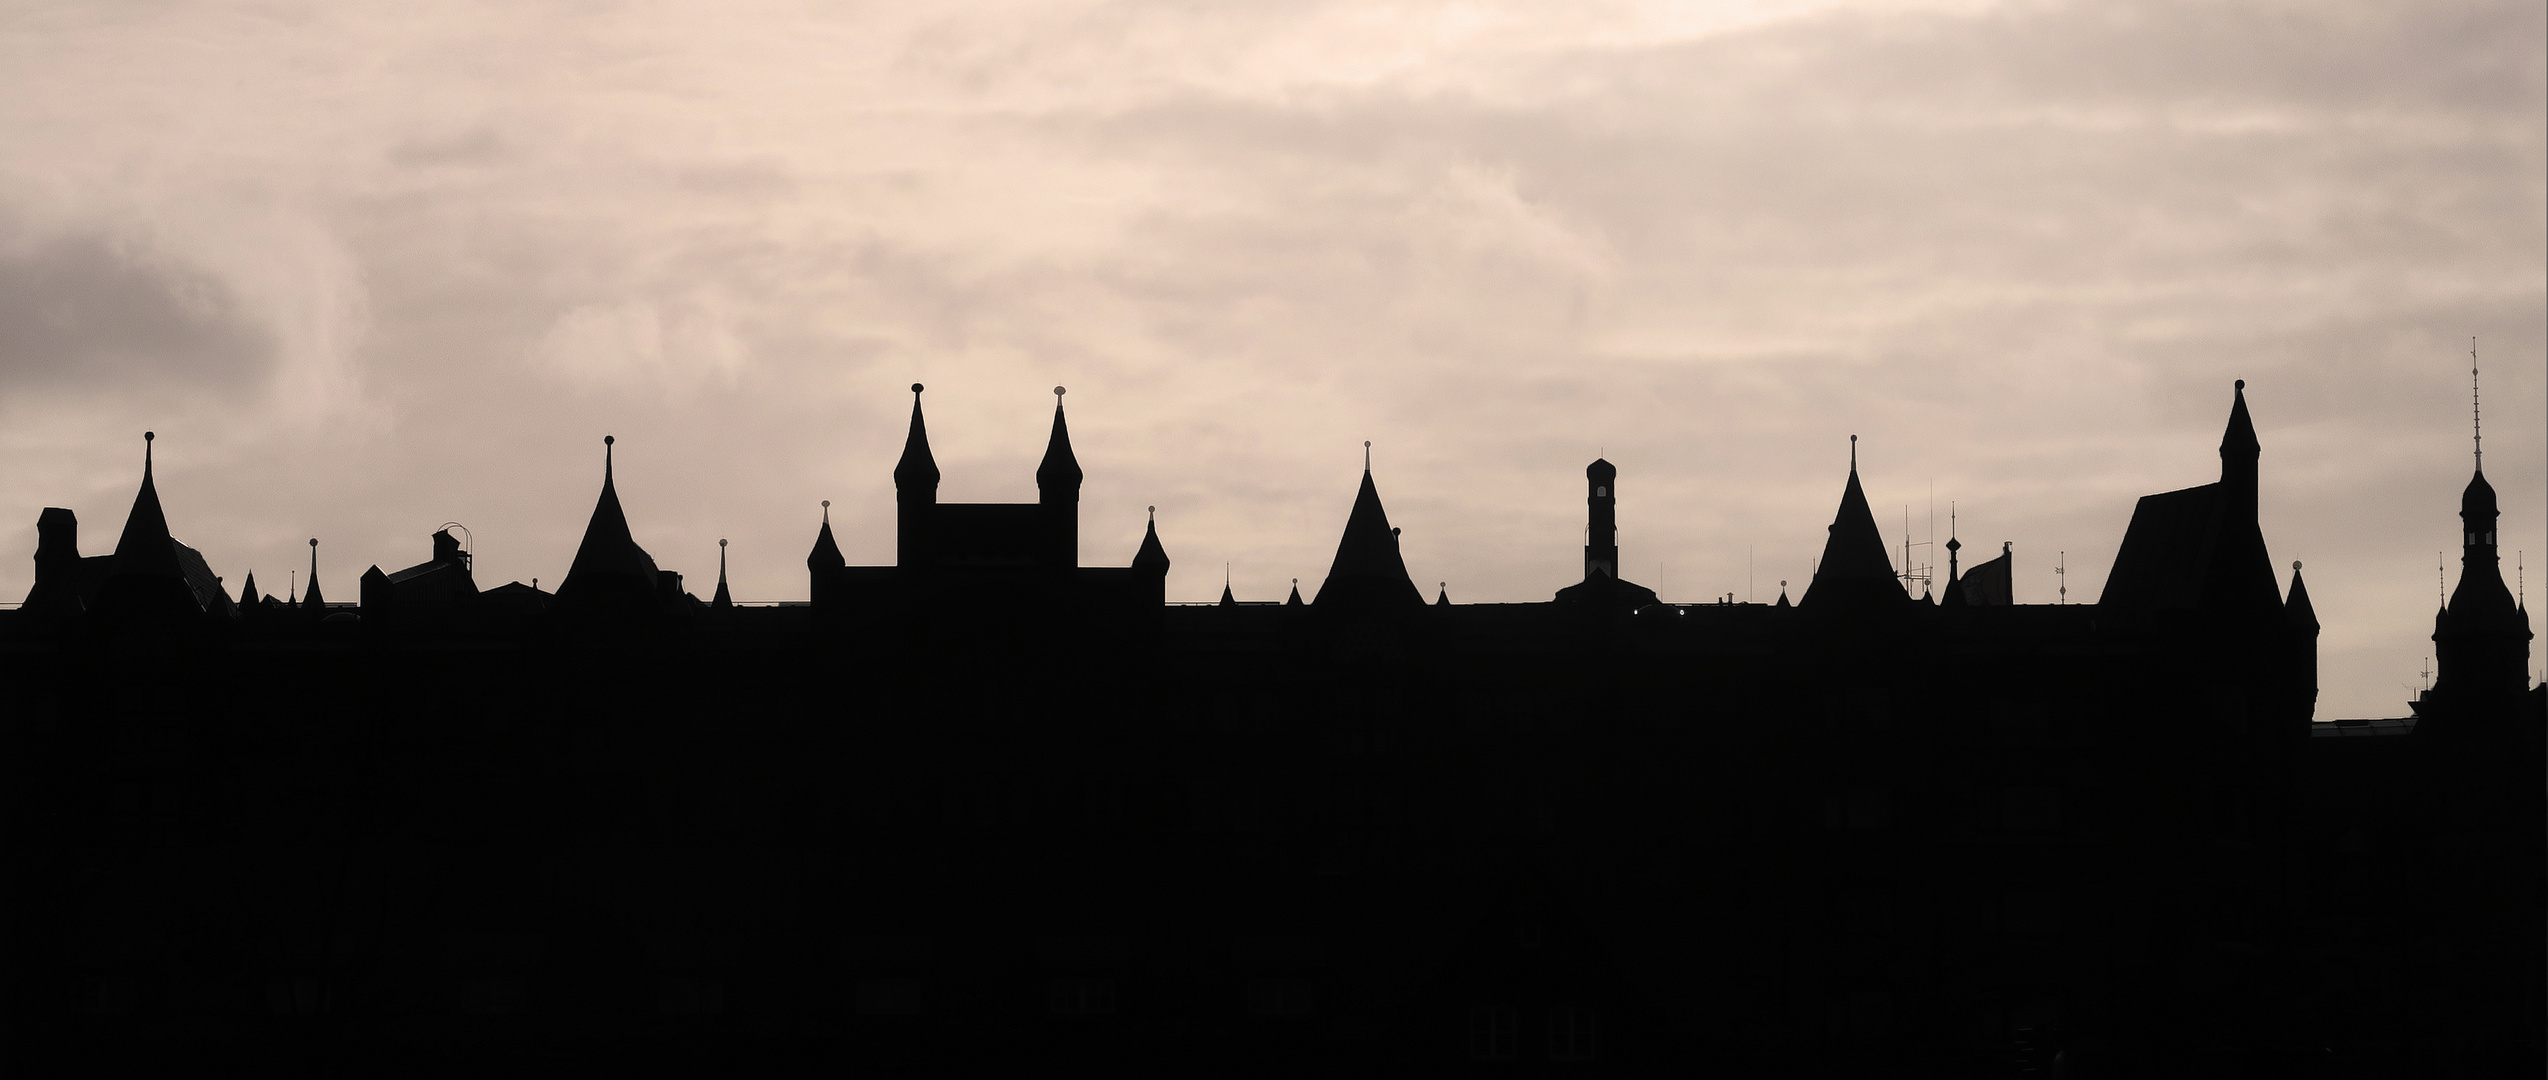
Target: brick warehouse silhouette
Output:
[(989, 806)]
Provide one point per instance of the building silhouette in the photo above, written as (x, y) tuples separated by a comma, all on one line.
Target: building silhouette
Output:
[(988, 806)]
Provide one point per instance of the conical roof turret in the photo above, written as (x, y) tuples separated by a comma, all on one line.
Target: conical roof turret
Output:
[(917, 468), (1854, 566), (608, 552), (826, 554), (248, 596), (311, 599), (1152, 558), (1368, 566), (2239, 437), (2297, 610), (1060, 467), (145, 549)]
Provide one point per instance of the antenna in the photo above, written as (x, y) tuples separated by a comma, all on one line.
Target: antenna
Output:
[(2476, 429), (2061, 573), (2441, 593)]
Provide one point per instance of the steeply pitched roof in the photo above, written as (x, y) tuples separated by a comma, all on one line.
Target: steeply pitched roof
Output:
[(1368, 568), (1152, 558), (608, 551), (723, 600), (2296, 607), (2170, 539), (826, 553), (1854, 567), (1060, 466), (917, 467), (145, 549)]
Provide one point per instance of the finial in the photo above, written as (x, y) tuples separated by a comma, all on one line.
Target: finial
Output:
[(1366, 455), (2477, 430), (1154, 515), (1782, 583), (314, 541), (915, 388), (2238, 384), (827, 514), (720, 543), (2295, 566), (1058, 391), (147, 438), (1853, 453)]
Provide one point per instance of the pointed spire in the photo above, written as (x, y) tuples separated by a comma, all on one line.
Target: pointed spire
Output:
[(248, 593), (724, 600), (826, 554), (310, 597), (1368, 563), (2240, 436), (1443, 598), (1295, 600), (608, 551), (1782, 597), (917, 468), (2296, 607), (145, 549), (1954, 570), (1152, 558), (1227, 599), (1854, 562), (1060, 467)]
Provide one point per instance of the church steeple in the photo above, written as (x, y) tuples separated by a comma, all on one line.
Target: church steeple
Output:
[(2481, 640)]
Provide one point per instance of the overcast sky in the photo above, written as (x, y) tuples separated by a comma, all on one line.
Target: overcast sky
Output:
[(370, 268)]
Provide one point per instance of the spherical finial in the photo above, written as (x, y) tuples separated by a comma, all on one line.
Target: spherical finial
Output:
[(314, 541), (2240, 384), (1154, 509), (149, 435), (2295, 564), (1782, 584), (915, 388), (1058, 391), (827, 504), (720, 543), (609, 439)]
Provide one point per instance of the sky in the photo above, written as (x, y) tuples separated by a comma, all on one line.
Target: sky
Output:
[(369, 268)]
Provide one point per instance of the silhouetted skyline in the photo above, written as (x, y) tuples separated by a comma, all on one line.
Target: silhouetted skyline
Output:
[(361, 290)]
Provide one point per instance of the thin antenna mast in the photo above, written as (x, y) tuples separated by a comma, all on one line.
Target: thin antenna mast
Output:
[(2476, 426), (2061, 573)]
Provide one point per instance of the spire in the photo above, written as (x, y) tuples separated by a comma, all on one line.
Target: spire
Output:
[(310, 598), (608, 551), (1782, 597), (826, 554), (1060, 467), (1443, 598), (724, 600), (1854, 563), (1368, 564), (1954, 568), (1152, 558), (917, 468), (1295, 600), (2296, 607), (2240, 436), (248, 593), (2476, 425), (145, 549), (1227, 600)]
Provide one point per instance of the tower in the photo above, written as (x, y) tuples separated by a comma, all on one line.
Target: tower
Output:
[(1601, 528), (1057, 493), (916, 493)]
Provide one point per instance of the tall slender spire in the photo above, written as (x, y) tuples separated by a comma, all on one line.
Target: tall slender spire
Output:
[(609, 560), (2476, 426), (724, 600), (311, 599), (915, 494), (1059, 473), (1854, 563), (145, 549), (917, 467), (826, 554)]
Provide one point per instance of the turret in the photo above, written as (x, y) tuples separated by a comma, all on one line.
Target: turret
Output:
[(1057, 493), (916, 492), (822, 565), (1854, 571), (1150, 565), (1601, 529)]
